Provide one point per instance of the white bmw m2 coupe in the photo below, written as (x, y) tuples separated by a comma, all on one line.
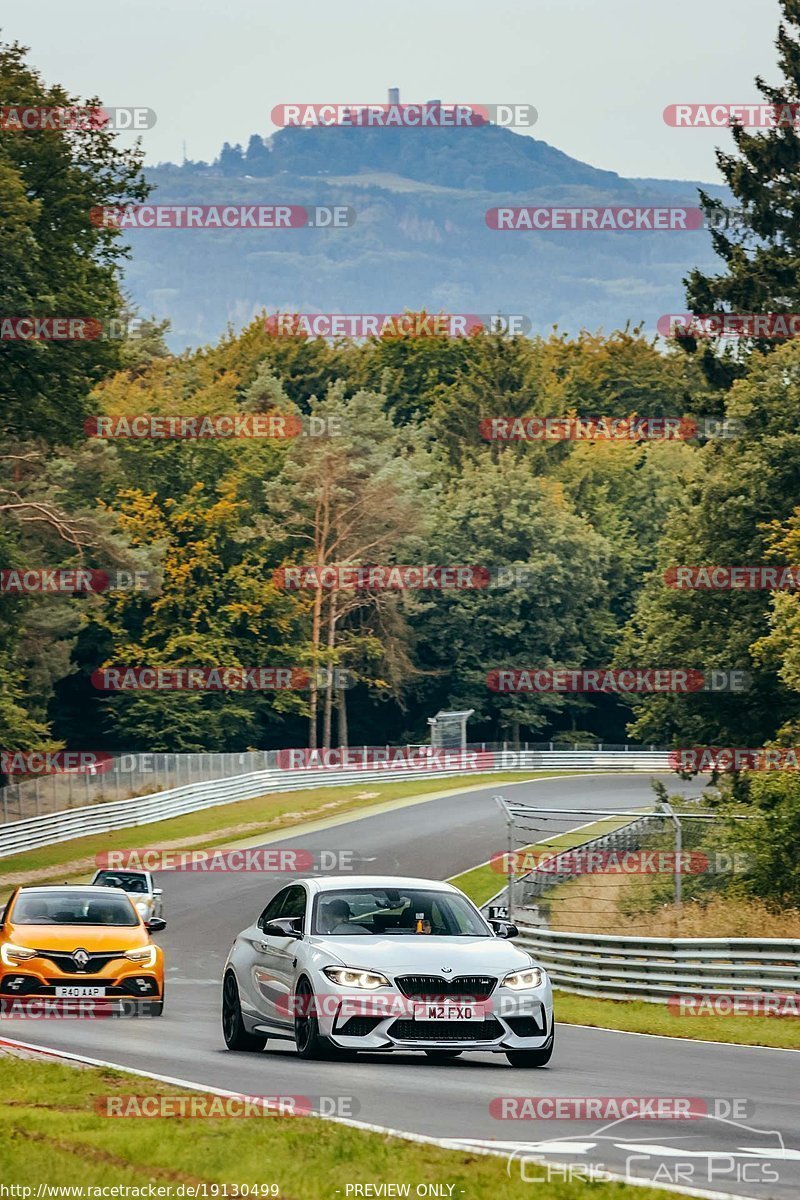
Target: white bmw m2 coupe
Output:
[(381, 963)]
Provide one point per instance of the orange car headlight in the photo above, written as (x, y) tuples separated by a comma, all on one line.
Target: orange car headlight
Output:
[(143, 958), (13, 955)]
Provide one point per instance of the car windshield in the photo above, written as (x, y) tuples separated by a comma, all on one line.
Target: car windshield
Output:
[(129, 881), (72, 908), (386, 912)]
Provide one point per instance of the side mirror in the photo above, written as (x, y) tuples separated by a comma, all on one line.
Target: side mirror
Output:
[(155, 924), (290, 927), (158, 891), (504, 929)]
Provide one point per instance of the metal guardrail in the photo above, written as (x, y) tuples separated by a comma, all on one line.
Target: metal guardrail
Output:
[(41, 829), (657, 968), (121, 776)]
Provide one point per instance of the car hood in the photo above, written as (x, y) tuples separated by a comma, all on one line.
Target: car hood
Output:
[(94, 938), (423, 954)]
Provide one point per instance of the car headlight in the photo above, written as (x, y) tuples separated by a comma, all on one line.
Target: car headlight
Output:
[(142, 907), (13, 955), (354, 978), (518, 981), (143, 958)]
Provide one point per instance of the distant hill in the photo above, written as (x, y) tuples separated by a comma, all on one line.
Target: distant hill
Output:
[(420, 238)]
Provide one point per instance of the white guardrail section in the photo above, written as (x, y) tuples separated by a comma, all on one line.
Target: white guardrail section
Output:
[(657, 968), (44, 830)]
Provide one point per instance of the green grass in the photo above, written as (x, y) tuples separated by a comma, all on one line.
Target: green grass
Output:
[(52, 1134), (636, 1016), (263, 814)]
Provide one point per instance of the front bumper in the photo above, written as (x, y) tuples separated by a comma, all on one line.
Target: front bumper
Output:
[(512, 1021), (119, 978)]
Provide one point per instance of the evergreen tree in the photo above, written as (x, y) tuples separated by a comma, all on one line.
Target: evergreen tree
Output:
[(758, 238)]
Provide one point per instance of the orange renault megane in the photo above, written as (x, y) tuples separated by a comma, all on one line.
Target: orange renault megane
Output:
[(84, 942)]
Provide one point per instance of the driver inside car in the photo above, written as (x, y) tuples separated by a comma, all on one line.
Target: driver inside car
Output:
[(336, 918)]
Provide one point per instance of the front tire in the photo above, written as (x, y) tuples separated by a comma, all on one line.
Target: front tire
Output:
[(310, 1042), (233, 1030), (532, 1058)]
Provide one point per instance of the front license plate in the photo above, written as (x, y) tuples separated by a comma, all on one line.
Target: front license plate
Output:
[(80, 991), (451, 1011)]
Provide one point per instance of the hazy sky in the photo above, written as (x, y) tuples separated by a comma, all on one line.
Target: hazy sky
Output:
[(600, 72)]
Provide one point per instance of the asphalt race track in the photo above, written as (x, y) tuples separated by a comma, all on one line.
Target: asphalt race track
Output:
[(439, 838)]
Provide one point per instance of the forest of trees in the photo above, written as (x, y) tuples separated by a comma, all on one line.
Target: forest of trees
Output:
[(405, 478)]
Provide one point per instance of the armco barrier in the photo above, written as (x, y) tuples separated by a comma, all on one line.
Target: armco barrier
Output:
[(61, 826), (656, 968)]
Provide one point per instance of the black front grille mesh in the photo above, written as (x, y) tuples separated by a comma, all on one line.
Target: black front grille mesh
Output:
[(358, 1026), (446, 1031), (477, 987)]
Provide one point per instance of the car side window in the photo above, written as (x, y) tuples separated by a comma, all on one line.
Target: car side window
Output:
[(273, 909), (295, 905)]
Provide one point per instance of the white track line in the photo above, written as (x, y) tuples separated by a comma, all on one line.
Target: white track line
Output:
[(451, 1144)]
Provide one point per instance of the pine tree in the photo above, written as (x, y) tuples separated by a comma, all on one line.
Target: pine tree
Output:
[(758, 238)]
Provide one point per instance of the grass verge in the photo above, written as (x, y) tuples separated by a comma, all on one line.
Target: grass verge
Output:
[(54, 1135), (230, 822), (637, 1016)]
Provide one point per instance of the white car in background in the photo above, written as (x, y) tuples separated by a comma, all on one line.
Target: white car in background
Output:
[(382, 963), (147, 898)]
